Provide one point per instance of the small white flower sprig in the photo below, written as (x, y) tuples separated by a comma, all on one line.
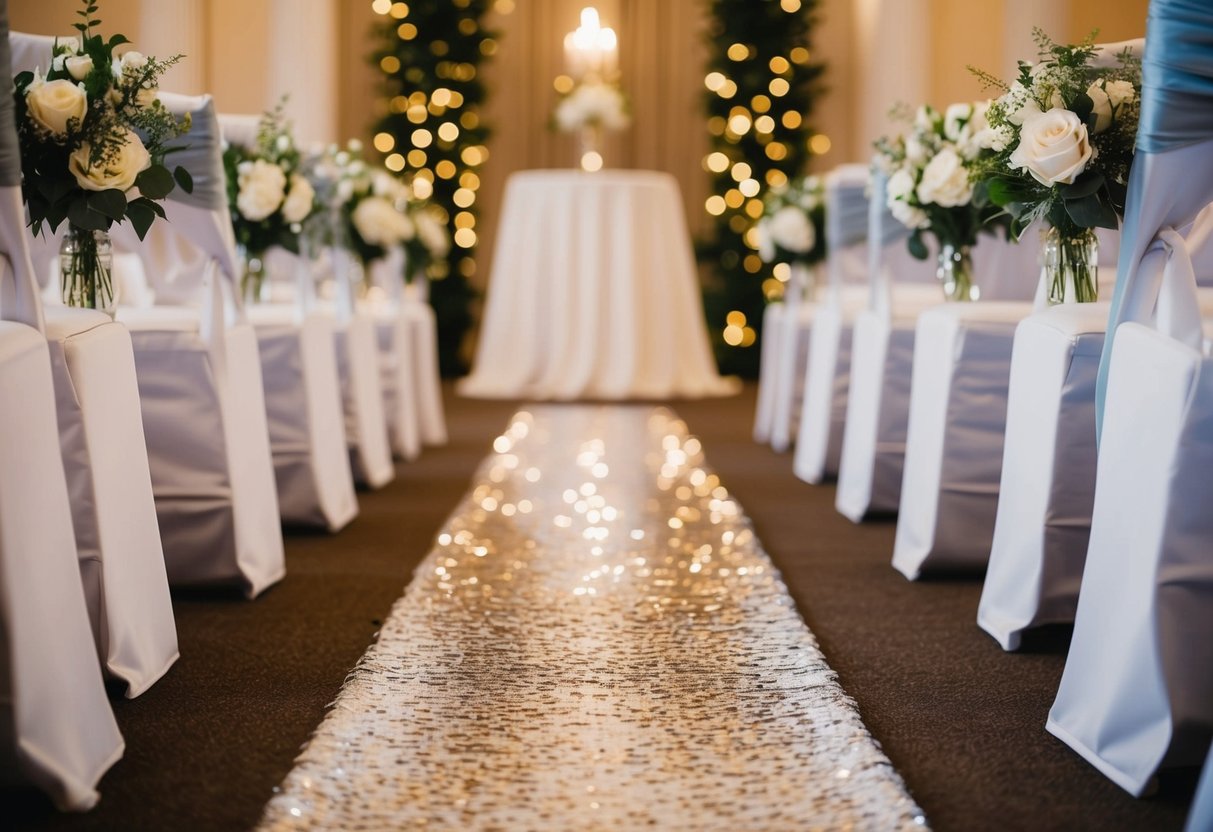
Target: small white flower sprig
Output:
[(268, 195), (93, 135), (1062, 137), (792, 228), (929, 172)]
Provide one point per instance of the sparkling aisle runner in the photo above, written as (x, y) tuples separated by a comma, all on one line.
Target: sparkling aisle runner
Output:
[(597, 641)]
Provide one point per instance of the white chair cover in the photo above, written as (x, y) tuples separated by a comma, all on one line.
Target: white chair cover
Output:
[(1137, 691), (200, 383), (366, 430), (1200, 816), (423, 327), (396, 362), (788, 342), (59, 731), (954, 437), (105, 460), (826, 373)]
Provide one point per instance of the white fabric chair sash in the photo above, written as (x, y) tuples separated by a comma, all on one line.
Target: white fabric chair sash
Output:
[(846, 223)]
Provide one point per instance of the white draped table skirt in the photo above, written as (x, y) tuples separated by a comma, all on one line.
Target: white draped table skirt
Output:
[(594, 293)]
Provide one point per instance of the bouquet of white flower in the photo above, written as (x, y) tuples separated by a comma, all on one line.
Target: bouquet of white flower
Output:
[(595, 104), (929, 188), (93, 140), (432, 242), (268, 195), (1062, 138), (792, 228)]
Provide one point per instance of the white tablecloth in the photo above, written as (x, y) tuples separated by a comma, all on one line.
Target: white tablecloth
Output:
[(593, 293)]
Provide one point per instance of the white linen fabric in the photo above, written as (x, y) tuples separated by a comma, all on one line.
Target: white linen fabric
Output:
[(423, 329), (593, 293), (58, 729), (200, 384), (396, 362), (1137, 690), (106, 465), (954, 437), (304, 414)]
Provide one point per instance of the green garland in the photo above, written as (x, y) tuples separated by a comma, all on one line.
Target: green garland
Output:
[(430, 52), (761, 84)]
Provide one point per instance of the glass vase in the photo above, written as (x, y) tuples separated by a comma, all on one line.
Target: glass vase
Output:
[(955, 273), (86, 259), (589, 148), (252, 277), (1071, 265)]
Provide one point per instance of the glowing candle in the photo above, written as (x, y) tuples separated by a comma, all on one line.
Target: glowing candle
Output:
[(591, 50)]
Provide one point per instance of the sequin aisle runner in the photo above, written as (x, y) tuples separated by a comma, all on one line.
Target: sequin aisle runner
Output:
[(597, 641)]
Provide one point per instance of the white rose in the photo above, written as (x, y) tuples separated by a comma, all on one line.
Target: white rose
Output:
[(908, 215), (261, 189), (994, 138), (1053, 147), (432, 233), (1120, 92), (1108, 97), (55, 103), (955, 118), (79, 66), (916, 151), (299, 201), (133, 61), (792, 231), (945, 181), (130, 160), (924, 118), (899, 186), (378, 222), (345, 191), (764, 241)]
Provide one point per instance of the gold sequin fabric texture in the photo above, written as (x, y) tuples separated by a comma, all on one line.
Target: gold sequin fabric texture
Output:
[(597, 641)]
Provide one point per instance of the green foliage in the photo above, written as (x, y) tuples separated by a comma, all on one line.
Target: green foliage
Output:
[(439, 47), (766, 32)]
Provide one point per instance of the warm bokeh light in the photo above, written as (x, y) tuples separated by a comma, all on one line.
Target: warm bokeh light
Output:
[(820, 144), (381, 6), (790, 6), (717, 162), (591, 161), (384, 142), (738, 52), (394, 163)]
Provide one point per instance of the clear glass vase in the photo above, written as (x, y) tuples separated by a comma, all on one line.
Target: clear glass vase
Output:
[(252, 277), (86, 260), (955, 273), (589, 148), (1071, 265)]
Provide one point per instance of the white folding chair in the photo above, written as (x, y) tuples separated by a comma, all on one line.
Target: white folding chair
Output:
[(396, 361), (297, 346), (60, 732), (200, 383), (106, 464)]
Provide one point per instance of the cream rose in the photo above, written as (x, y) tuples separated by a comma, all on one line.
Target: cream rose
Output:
[(945, 180), (298, 202), (379, 223), (955, 118), (119, 172), (792, 231), (55, 103), (262, 187), (432, 233), (1053, 147), (79, 66), (1108, 97), (908, 215)]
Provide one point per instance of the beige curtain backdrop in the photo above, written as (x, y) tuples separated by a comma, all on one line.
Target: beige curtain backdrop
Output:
[(246, 52)]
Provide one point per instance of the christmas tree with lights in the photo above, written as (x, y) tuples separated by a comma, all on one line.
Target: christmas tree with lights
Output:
[(430, 53), (761, 83)]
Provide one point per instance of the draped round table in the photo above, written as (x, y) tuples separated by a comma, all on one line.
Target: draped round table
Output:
[(593, 293)]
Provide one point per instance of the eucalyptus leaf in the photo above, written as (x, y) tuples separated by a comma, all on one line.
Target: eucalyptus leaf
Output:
[(80, 215), (141, 216), (155, 182), (110, 202), (1085, 185), (184, 179), (918, 248), (1082, 105), (1091, 212)]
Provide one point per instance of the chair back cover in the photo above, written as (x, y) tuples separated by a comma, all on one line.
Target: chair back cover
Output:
[(31, 52), (846, 202), (883, 231), (19, 300), (1172, 176)]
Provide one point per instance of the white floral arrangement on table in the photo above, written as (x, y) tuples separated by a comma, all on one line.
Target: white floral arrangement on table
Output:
[(432, 241), (269, 198), (1061, 139), (792, 228), (929, 187), (94, 140), (593, 104)]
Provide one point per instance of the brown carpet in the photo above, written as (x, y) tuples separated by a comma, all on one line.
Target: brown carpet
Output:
[(962, 721)]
